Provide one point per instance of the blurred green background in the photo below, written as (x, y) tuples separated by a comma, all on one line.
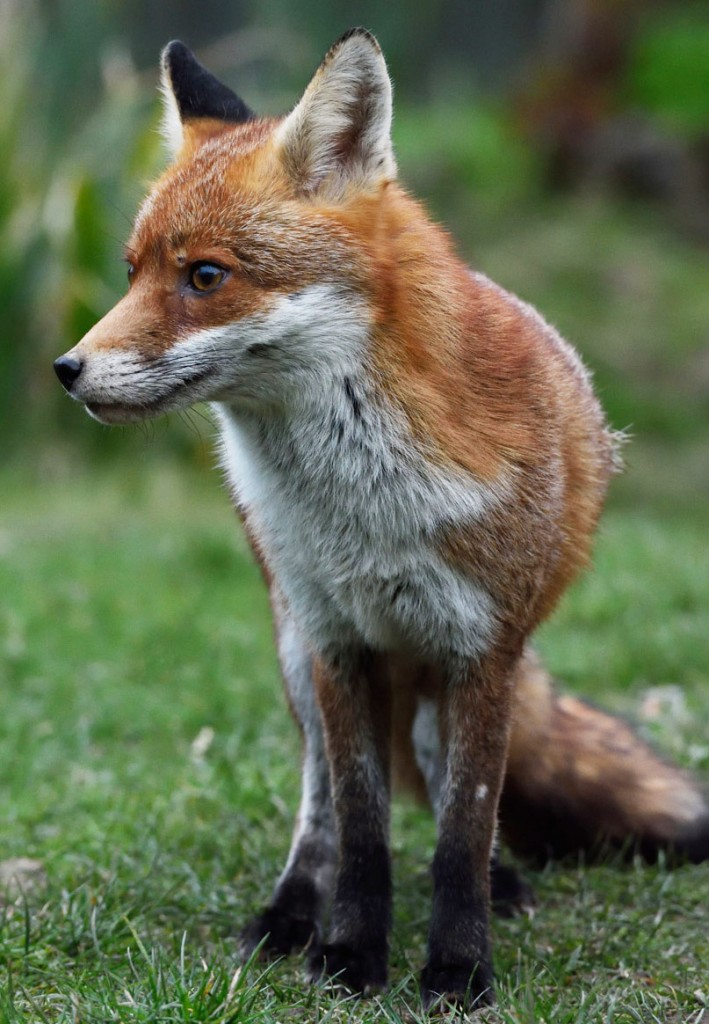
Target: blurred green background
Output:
[(566, 145), (146, 761)]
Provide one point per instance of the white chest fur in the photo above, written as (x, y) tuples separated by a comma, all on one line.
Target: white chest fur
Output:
[(350, 517)]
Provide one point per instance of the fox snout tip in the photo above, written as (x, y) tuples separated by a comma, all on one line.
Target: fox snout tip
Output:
[(67, 369)]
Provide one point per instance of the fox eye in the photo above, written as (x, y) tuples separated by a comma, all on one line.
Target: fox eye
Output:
[(205, 277), (131, 273)]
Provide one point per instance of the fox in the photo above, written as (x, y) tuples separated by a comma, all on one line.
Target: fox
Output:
[(419, 462)]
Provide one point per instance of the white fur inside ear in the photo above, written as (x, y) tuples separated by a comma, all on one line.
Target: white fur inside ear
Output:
[(171, 124), (340, 132)]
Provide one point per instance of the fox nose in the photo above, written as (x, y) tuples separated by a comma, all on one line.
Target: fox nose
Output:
[(67, 369)]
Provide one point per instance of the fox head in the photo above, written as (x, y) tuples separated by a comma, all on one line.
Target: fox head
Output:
[(253, 260)]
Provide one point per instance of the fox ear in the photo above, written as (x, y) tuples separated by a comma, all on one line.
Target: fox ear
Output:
[(192, 94), (340, 132)]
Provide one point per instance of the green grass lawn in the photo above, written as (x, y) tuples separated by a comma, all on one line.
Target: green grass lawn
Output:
[(148, 762)]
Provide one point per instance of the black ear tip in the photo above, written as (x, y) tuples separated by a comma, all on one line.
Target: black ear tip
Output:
[(176, 55), (197, 92), (361, 33)]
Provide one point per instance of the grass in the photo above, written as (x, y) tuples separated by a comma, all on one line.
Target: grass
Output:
[(148, 762)]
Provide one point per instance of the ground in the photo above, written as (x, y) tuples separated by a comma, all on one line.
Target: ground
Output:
[(148, 764)]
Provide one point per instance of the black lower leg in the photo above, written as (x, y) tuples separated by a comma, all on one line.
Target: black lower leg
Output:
[(474, 713), (459, 965), (293, 917), (292, 920), (357, 948), (509, 892), (354, 701)]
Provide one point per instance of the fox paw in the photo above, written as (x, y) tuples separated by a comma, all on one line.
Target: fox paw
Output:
[(463, 986), (510, 894), (280, 932), (360, 971)]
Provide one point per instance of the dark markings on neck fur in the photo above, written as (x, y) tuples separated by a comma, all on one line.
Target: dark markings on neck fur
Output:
[(352, 399)]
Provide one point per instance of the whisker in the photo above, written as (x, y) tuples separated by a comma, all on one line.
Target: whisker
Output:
[(203, 416), (184, 417), (117, 208)]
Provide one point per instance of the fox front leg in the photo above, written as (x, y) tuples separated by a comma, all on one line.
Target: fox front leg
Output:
[(509, 892), (355, 702), (293, 917), (474, 726)]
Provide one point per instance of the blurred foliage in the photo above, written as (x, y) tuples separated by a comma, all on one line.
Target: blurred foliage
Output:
[(65, 199), (668, 74), (78, 135)]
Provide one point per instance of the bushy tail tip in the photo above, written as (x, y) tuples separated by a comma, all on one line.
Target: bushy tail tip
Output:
[(581, 780)]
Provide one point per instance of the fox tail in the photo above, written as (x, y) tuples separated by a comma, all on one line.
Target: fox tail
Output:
[(580, 780)]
